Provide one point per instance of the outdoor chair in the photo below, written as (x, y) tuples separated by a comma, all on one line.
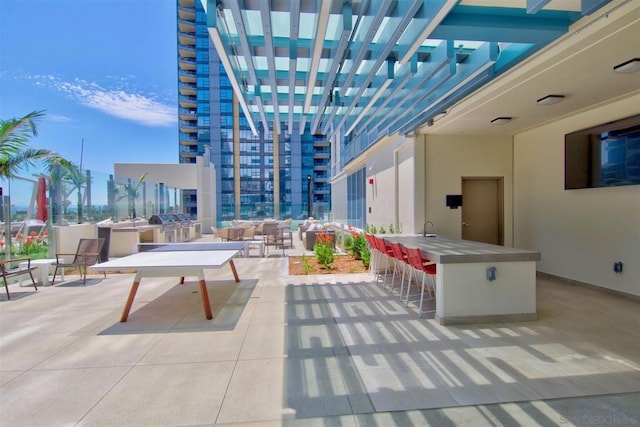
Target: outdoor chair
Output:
[(87, 254), (428, 270), (400, 262), (249, 233), (235, 234), (385, 250), (273, 235), (10, 268), (221, 233)]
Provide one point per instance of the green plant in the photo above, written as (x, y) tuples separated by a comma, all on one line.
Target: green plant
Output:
[(131, 191), (358, 243), (324, 250), (347, 242), (14, 151), (306, 266), (390, 228), (32, 245), (365, 256), (383, 230)]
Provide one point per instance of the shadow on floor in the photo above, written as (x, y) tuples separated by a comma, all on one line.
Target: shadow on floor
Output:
[(180, 309)]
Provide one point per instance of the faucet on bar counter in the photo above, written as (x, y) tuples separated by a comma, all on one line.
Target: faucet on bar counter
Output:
[(424, 228)]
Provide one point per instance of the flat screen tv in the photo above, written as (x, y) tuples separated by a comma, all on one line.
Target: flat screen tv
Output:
[(607, 155)]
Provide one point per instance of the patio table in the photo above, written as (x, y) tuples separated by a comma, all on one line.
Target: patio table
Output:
[(175, 259)]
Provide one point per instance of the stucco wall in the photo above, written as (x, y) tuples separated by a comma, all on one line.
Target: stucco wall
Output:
[(339, 198), (448, 158), (391, 163), (580, 233)]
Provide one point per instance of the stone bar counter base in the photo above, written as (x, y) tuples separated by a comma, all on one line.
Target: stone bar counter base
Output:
[(464, 294)]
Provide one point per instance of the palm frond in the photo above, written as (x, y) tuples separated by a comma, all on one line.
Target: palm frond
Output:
[(15, 133)]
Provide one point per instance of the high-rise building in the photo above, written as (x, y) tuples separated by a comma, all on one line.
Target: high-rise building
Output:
[(264, 175)]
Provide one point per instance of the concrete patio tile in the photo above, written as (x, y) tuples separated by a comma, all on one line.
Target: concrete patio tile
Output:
[(228, 303), (264, 341), (273, 294), (176, 394), (313, 340), (315, 386), (307, 313), (255, 393), (356, 391), (102, 351), (55, 397), (22, 350), (64, 320), (410, 388), (289, 351), (195, 347), (269, 313), (234, 317), (7, 376), (301, 293), (339, 421)]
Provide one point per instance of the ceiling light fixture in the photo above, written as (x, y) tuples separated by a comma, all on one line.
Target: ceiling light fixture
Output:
[(550, 99), (628, 67), (500, 120)]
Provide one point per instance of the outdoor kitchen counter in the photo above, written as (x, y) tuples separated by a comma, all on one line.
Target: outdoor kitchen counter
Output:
[(449, 251), (478, 282)]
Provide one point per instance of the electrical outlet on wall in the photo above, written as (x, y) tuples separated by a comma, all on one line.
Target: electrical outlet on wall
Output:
[(617, 266)]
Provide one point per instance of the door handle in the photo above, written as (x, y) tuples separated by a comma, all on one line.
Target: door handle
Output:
[(464, 224)]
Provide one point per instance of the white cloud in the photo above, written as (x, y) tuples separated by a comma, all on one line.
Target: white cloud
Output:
[(58, 118), (125, 104)]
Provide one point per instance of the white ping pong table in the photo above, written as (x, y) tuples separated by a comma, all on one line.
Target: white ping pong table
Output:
[(174, 259)]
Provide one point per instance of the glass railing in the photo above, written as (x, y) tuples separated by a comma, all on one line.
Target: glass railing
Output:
[(31, 206)]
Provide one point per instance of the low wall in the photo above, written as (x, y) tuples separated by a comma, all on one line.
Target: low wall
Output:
[(68, 236)]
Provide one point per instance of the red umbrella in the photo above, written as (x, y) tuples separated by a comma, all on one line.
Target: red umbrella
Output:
[(41, 200)]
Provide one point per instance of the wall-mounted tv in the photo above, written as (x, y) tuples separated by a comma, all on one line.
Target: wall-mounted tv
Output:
[(607, 155)]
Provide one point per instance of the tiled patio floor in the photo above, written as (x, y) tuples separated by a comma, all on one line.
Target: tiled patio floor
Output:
[(307, 350)]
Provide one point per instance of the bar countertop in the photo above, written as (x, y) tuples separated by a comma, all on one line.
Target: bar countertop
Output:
[(444, 250)]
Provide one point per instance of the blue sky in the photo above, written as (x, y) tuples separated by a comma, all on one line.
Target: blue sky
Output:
[(104, 70)]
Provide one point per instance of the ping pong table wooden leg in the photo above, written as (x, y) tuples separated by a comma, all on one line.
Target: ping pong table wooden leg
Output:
[(182, 280), (205, 299), (132, 295), (233, 269)]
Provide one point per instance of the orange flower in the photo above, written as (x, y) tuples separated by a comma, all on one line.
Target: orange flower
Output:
[(33, 233)]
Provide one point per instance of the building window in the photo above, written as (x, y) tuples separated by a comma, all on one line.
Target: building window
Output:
[(356, 199)]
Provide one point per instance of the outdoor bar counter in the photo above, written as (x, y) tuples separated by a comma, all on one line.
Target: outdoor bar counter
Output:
[(466, 291)]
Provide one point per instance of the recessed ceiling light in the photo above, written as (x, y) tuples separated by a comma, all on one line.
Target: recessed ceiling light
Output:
[(630, 66), (550, 99), (500, 120)]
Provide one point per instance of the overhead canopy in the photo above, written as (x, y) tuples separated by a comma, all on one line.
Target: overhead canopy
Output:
[(369, 68)]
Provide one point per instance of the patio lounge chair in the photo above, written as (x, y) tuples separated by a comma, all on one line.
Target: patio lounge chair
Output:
[(273, 236), (87, 254), (11, 269)]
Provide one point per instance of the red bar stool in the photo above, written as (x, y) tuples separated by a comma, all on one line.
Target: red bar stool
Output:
[(428, 270), (384, 249), (400, 263)]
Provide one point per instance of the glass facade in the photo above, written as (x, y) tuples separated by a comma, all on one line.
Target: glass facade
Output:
[(257, 176)]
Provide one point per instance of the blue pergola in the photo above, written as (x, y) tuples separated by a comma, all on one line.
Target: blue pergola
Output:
[(364, 69)]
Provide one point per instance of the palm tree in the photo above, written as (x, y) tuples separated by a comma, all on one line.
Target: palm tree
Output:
[(130, 191), (14, 152)]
